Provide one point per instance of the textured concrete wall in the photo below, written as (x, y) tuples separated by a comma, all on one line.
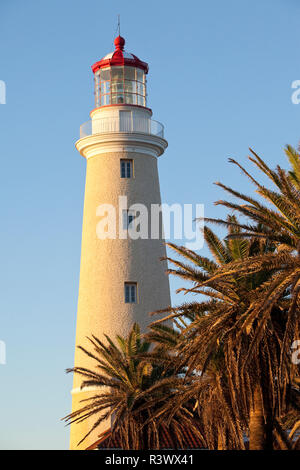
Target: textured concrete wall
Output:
[(107, 264)]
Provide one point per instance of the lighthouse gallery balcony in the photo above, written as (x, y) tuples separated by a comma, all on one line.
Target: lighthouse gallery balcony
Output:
[(131, 124)]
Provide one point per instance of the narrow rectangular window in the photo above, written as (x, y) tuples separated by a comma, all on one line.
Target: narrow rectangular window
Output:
[(128, 219), (126, 168), (130, 292)]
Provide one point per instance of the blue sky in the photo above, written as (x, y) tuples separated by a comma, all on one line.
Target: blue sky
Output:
[(220, 80)]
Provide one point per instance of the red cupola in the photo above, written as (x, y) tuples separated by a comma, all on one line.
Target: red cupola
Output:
[(119, 43), (120, 78)]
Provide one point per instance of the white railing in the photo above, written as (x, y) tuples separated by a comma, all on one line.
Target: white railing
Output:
[(122, 124)]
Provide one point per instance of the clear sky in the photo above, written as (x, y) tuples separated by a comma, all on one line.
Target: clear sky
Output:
[(220, 80)]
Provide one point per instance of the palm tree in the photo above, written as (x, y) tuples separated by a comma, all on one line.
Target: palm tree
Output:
[(277, 223), (133, 383), (208, 394), (247, 375), (280, 219)]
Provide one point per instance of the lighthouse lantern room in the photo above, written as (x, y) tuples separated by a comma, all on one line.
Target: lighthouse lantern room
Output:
[(120, 78)]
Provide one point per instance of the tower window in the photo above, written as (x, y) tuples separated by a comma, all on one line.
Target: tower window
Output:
[(128, 218), (130, 292), (126, 168)]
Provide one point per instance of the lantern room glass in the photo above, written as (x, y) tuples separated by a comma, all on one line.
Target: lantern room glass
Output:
[(120, 85)]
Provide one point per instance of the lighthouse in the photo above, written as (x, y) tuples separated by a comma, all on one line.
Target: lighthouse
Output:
[(122, 277)]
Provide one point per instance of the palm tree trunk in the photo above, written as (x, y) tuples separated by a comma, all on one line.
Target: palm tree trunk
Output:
[(257, 426), (220, 439)]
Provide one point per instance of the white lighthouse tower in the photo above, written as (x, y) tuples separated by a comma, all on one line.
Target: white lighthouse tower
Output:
[(121, 279)]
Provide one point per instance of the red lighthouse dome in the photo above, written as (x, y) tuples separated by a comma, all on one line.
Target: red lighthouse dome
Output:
[(120, 77), (120, 57)]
